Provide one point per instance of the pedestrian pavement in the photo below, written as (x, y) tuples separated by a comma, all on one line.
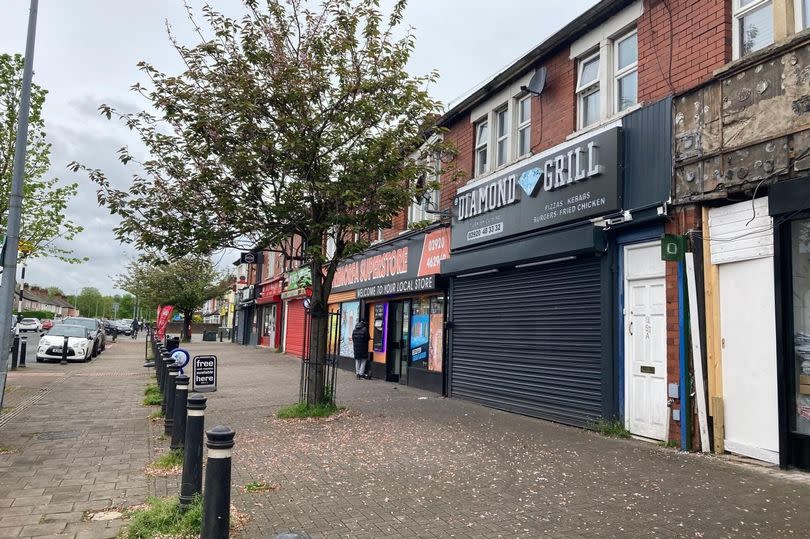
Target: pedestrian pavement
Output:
[(398, 462)]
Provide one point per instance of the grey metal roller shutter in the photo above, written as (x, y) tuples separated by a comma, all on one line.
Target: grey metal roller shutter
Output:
[(528, 341)]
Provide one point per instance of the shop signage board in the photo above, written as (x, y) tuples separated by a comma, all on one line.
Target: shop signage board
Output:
[(571, 182), (403, 267), (204, 377)]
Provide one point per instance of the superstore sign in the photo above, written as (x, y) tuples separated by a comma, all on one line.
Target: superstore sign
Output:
[(409, 266), (572, 182)]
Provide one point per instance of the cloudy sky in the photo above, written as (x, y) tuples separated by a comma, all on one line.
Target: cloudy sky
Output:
[(86, 55)]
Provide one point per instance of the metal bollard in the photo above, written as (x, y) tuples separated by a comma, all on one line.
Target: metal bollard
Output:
[(216, 514), (15, 352), (180, 403), (23, 351), (168, 420), (191, 484), (64, 350)]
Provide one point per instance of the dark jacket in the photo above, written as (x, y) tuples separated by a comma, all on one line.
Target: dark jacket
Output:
[(360, 337)]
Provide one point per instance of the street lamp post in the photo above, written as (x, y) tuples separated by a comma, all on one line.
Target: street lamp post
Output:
[(12, 242)]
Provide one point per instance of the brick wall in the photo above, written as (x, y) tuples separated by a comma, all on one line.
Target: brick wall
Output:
[(683, 219), (680, 44), (554, 112)]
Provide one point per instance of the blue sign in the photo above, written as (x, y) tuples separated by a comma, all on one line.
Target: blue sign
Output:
[(181, 358)]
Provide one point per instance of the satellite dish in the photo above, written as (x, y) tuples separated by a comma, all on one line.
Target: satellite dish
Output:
[(537, 82)]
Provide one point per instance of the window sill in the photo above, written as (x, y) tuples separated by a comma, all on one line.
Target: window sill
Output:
[(602, 123)]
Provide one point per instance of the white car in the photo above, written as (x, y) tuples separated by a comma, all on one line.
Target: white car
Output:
[(80, 343), (29, 324)]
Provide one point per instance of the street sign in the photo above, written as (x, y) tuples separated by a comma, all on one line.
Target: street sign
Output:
[(673, 248), (248, 258), (205, 374)]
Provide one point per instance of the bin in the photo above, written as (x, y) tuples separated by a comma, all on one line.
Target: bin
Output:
[(172, 343), (210, 335)]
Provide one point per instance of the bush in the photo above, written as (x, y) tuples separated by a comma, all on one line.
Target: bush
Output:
[(163, 517), (304, 410)]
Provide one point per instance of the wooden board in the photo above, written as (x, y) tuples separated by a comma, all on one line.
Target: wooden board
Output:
[(804, 389), (804, 379), (718, 426)]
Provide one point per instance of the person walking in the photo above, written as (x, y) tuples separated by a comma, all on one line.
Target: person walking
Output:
[(135, 328), (360, 339)]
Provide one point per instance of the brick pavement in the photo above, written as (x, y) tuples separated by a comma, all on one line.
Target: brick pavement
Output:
[(399, 463), (406, 463), (80, 441)]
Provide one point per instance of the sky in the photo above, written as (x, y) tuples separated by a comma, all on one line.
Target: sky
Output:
[(86, 54)]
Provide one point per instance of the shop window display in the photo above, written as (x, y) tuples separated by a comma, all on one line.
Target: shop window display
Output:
[(801, 322), (420, 332)]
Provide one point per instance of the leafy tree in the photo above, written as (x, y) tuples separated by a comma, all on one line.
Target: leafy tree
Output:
[(90, 302), (54, 291), (126, 307), (44, 201), (287, 123), (185, 284)]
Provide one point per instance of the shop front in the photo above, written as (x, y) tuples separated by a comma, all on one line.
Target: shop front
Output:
[(270, 307), (396, 289), (294, 293), (531, 288), (244, 328), (790, 208)]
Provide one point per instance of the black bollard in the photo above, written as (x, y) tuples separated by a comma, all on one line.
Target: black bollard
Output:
[(168, 420), (23, 351), (216, 514), (64, 350), (191, 484), (15, 352), (180, 403)]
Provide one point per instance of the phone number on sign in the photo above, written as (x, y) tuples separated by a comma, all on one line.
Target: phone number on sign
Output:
[(483, 232)]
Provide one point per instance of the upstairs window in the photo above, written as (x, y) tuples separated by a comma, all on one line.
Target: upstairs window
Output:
[(753, 26), (588, 91), (626, 71), (502, 142), (524, 124), (481, 147)]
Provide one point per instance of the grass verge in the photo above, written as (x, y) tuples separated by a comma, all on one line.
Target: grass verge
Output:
[(162, 517), (157, 414), (612, 429), (151, 395), (302, 410), (168, 460)]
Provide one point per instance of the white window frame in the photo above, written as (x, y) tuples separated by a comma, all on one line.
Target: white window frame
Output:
[(619, 74), (588, 89), (501, 112), (799, 16), (738, 12), (482, 145), (523, 126), (426, 208)]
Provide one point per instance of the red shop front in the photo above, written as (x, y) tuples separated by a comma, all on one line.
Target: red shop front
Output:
[(269, 312)]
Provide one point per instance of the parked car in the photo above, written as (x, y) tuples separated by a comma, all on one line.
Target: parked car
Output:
[(80, 343), (47, 324), (96, 331), (29, 324), (124, 326)]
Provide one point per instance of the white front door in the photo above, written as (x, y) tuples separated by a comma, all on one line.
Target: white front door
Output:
[(645, 341), (748, 332)]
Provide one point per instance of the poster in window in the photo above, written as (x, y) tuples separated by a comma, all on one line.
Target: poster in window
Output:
[(420, 330), (436, 355), (349, 316)]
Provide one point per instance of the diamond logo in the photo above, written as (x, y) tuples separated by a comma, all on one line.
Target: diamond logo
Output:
[(530, 179)]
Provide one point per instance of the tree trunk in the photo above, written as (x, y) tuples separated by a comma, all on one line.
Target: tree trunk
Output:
[(319, 329), (186, 333)]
